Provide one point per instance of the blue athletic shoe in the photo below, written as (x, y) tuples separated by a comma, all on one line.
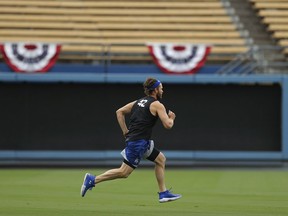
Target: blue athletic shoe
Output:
[(88, 183), (167, 196)]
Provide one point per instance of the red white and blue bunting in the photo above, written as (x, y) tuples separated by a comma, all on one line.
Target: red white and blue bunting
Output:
[(179, 58), (30, 57)]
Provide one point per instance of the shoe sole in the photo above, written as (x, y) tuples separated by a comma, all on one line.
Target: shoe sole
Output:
[(83, 187), (163, 200)]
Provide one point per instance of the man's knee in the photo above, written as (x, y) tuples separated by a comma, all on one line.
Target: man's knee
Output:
[(124, 174), (161, 159), (125, 171)]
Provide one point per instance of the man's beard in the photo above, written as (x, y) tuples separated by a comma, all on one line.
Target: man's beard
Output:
[(159, 97)]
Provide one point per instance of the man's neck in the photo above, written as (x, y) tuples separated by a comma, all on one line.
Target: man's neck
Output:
[(154, 96)]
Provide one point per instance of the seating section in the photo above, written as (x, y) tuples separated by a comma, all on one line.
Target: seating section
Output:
[(274, 14), (83, 27)]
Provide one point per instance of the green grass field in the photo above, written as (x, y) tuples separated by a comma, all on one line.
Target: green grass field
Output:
[(41, 192)]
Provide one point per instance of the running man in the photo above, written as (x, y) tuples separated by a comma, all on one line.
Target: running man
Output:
[(144, 114)]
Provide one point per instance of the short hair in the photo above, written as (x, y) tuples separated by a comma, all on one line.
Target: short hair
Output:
[(148, 85)]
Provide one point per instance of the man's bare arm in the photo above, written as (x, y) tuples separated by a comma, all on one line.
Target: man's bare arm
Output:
[(160, 110), (120, 113)]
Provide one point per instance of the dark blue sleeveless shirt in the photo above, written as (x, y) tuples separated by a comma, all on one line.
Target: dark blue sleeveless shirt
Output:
[(141, 120)]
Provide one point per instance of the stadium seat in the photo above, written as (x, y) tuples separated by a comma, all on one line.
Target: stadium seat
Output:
[(82, 27), (274, 14)]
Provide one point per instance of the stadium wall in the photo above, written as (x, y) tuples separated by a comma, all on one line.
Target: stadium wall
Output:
[(70, 118)]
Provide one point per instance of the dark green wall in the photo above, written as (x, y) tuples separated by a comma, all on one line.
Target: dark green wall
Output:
[(82, 116)]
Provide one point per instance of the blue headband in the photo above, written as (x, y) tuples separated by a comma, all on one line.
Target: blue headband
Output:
[(155, 85)]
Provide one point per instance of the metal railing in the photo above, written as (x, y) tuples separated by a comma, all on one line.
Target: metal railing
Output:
[(257, 60)]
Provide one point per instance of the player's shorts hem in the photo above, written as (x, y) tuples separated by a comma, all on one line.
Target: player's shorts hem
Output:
[(128, 163)]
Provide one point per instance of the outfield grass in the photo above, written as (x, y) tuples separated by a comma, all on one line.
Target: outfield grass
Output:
[(41, 192)]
